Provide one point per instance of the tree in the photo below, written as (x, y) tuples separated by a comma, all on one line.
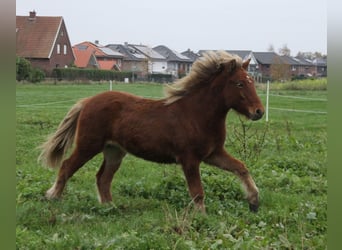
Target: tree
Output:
[(270, 48), (280, 70), (284, 51), (311, 55)]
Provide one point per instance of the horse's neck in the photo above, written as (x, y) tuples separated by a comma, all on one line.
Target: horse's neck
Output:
[(208, 104)]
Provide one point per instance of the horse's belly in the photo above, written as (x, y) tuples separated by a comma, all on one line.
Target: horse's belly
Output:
[(153, 156)]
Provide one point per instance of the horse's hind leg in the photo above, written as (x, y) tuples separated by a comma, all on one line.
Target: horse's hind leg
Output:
[(113, 156), (68, 168)]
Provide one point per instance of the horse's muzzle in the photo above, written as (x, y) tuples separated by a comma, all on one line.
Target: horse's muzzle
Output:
[(256, 115)]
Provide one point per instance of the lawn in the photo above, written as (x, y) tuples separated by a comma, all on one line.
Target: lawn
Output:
[(151, 207)]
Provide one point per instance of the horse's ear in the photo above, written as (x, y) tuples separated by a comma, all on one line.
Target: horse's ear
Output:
[(246, 63), (229, 66)]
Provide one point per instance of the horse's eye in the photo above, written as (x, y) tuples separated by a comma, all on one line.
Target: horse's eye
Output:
[(239, 84)]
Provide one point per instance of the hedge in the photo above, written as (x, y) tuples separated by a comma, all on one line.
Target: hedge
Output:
[(71, 74), (162, 78)]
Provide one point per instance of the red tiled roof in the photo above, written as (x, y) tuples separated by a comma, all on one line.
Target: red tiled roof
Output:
[(105, 57), (35, 38), (82, 57)]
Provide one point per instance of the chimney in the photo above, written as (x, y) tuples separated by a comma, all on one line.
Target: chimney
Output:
[(97, 42), (32, 15)]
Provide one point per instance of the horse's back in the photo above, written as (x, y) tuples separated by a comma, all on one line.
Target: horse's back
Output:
[(140, 126)]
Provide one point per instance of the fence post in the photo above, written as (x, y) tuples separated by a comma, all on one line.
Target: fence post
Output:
[(267, 98), (110, 85)]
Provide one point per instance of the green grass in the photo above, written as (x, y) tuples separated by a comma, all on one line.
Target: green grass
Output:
[(152, 209)]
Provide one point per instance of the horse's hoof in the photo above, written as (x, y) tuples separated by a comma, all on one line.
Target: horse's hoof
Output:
[(253, 208)]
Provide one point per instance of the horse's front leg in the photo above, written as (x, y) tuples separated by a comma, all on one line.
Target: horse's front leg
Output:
[(224, 161), (192, 174)]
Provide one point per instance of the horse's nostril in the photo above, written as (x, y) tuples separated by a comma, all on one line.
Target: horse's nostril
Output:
[(259, 112)]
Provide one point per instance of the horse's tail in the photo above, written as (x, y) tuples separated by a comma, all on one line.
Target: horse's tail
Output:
[(57, 144)]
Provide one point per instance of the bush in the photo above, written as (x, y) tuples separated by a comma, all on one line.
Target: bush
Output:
[(36, 75), (24, 71)]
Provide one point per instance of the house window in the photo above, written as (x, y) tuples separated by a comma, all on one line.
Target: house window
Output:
[(64, 49), (62, 33), (58, 48)]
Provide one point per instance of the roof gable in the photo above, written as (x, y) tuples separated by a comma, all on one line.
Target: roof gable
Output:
[(35, 37), (84, 58)]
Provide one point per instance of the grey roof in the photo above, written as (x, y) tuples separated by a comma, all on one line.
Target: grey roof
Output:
[(303, 61), (244, 54), (191, 55), (147, 51), (320, 62), (129, 53), (290, 60), (267, 57), (171, 55), (110, 52)]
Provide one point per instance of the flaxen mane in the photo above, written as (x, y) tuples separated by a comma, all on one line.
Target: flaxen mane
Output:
[(202, 69)]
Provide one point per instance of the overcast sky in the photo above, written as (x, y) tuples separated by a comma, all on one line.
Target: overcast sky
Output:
[(195, 24)]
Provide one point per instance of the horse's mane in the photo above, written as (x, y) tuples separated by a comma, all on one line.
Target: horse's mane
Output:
[(202, 70)]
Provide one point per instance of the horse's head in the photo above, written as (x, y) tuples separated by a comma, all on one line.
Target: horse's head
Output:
[(239, 90)]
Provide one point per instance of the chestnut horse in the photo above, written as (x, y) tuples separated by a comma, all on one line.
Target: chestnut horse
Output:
[(187, 127)]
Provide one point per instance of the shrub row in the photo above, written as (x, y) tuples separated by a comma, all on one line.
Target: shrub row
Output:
[(71, 74), (160, 78)]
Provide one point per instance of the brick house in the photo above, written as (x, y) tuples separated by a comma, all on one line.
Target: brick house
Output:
[(44, 41), (271, 66), (320, 65), (305, 67)]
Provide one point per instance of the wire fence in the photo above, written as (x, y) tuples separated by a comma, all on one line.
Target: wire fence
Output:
[(291, 97), (70, 101)]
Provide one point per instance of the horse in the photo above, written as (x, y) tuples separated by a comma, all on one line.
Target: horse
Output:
[(186, 127)]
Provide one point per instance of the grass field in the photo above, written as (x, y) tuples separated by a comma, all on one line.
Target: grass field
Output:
[(152, 210)]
